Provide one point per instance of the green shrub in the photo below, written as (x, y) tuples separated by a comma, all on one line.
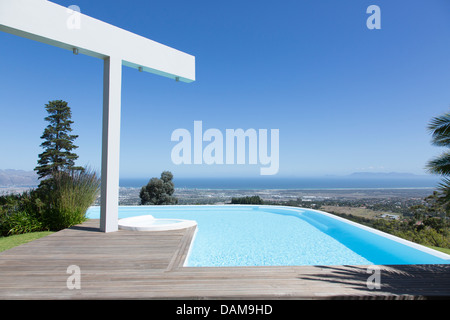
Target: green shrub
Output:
[(59, 203), (426, 236), (19, 214), (67, 197), (247, 200), (19, 222)]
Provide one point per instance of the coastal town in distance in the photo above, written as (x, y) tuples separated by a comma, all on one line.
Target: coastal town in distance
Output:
[(387, 203), (370, 203)]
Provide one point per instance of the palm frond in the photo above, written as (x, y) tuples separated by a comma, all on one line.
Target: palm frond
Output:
[(440, 165), (440, 130), (444, 196)]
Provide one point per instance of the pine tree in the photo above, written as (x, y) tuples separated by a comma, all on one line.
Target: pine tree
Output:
[(58, 144)]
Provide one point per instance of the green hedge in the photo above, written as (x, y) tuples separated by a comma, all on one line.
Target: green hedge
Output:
[(58, 204)]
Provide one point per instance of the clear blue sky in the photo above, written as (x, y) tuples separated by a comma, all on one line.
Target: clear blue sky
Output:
[(345, 98)]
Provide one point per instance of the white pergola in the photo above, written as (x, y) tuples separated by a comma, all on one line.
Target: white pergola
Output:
[(47, 22)]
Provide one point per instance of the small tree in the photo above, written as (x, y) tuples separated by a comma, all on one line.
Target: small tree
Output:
[(58, 144), (159, 191)]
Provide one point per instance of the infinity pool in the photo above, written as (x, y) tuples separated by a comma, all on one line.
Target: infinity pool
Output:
[(245, 235)]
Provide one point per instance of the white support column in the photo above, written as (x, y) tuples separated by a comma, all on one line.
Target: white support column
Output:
[(112, 83)]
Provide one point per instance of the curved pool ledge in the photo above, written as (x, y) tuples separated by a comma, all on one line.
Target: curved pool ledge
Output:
[(149, 223)]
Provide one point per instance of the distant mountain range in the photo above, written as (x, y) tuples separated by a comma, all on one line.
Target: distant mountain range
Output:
[(386, 175), (18, 178)]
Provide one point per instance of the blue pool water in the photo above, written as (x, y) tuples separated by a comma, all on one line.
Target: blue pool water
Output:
[(281, 236)]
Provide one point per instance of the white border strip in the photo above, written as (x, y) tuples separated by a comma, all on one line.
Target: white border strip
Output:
[(185, 263)]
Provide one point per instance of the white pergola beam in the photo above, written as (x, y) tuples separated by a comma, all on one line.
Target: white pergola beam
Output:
[(47, 22)]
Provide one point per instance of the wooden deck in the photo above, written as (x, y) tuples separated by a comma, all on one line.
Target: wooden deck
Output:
[(149, 265)]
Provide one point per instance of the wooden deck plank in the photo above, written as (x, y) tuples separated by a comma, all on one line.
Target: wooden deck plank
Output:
[(149, 265)]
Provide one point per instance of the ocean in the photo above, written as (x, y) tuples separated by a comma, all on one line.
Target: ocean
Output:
[(320, 183)]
